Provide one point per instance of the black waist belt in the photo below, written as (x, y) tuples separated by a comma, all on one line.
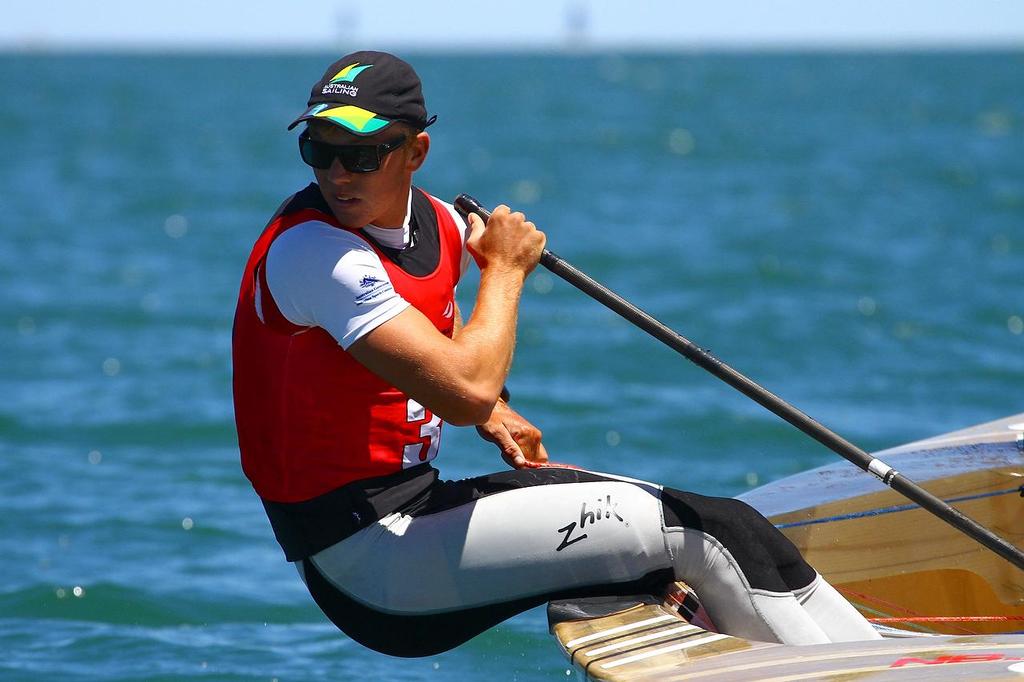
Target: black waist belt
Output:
[(305, 528)]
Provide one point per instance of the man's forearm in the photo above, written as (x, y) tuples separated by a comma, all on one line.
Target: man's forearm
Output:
[(487, 340)]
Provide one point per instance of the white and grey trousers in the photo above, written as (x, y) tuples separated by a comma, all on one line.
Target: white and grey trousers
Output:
[(462, 556)]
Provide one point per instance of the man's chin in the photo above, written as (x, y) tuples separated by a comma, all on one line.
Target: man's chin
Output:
[(349, 212)]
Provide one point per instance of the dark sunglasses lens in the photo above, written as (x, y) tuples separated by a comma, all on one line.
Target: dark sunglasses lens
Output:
[(353, 158), (314, 154), (358, 158)]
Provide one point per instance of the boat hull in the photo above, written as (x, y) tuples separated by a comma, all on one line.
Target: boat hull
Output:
[(894, 560)]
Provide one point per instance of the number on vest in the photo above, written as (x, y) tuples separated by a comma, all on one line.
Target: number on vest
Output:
[(425, 449)]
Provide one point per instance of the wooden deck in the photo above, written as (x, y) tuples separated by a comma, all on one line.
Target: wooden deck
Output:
[(648, 643)]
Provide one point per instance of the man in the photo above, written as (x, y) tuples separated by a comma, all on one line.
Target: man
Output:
[(349, 354)]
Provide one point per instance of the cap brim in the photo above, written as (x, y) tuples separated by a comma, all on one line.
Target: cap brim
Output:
[(354, 119)]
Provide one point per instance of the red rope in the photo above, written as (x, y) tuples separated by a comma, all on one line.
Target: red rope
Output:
[(927, 619), (876, 600), (945, 619), (913, 618)]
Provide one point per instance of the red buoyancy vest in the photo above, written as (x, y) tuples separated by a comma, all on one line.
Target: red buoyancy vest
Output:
[(310, 418)]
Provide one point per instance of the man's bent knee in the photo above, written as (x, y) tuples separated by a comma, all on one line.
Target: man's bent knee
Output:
[(769, 561)]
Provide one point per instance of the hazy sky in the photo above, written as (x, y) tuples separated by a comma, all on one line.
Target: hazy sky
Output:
[(475, 24)]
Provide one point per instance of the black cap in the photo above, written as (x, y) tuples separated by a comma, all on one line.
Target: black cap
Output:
[(365, 92)]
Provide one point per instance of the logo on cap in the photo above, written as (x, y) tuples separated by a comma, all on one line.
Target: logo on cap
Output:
[(340, 84)]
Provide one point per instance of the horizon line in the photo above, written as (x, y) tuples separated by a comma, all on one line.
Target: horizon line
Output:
[(570, 49)]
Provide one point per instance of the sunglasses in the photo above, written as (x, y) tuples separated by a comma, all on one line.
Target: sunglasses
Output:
[(355, 158)]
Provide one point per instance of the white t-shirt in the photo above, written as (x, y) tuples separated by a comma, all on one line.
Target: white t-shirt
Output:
[(322, 276)]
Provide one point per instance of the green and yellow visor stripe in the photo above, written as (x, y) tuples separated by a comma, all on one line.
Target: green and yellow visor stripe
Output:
[(358, 120)]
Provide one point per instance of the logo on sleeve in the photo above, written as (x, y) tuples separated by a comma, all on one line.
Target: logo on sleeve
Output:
[(373, 288)]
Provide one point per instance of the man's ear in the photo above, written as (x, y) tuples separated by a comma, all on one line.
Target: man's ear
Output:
[(419, 147)]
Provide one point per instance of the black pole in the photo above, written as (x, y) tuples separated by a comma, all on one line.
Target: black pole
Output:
[(703, 358)]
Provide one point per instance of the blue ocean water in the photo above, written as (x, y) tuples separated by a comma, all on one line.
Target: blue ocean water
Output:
[(846, 229)]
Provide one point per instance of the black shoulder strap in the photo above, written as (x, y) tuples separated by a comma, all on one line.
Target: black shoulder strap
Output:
[(308, 197), (420, 258), (423, 254)]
